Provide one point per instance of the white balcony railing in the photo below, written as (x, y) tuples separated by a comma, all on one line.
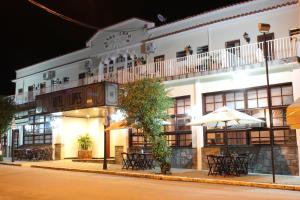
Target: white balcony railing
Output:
[(210, 62)]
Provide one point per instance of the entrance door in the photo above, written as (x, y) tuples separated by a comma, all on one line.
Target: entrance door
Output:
[(270, 45)]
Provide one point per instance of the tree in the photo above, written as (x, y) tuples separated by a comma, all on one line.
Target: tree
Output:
[(7, 112), (145, 103)]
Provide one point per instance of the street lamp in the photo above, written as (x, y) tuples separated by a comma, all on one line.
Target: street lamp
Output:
[(264, 28), (13, 132), (106, 132)]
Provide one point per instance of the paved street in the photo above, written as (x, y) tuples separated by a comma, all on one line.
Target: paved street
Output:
[(29, 183)]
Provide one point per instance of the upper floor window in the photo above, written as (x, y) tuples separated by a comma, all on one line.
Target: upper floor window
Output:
[(181, 55), (120, 59), (20, 91), (202, 49), (294, 31), (81, 76), (233, 46), (42, 87), (66, 79)]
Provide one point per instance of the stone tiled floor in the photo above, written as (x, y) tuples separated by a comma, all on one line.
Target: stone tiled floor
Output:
[(262, 178)]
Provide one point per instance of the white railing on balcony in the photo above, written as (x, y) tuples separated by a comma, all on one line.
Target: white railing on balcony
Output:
[(213, 61), (223, 59)]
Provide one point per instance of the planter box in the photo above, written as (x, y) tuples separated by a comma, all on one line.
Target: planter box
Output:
[(84, 154)]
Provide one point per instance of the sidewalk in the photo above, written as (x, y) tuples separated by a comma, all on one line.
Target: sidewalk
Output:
[(188, 175)]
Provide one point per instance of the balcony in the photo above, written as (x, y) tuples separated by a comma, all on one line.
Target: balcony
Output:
[(241, 57)]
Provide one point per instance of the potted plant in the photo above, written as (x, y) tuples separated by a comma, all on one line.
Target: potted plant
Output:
[(85, 142)]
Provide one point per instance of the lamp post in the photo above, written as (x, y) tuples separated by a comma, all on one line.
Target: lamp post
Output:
[(13, 130), (106, 125), (264, 28)]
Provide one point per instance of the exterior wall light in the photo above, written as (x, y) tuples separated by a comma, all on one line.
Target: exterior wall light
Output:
[(246, 37)]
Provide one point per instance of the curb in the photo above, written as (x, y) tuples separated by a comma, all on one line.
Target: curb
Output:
[(11, 164), (180, 178)]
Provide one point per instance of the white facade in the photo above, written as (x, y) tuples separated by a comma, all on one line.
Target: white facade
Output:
[(99, 61)]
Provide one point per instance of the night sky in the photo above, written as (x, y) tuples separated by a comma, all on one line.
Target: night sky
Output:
[(30, 35)]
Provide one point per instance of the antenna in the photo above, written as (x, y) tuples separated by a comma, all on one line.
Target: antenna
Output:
[(161, 18)]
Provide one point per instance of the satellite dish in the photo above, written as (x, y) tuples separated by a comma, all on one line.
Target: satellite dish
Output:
[(161, 18)]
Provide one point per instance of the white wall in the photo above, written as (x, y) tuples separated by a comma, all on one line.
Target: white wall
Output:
[(95, 129), (66, 131), (118, 138)]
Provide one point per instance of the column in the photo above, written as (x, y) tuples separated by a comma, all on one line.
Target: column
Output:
[(198, 139)]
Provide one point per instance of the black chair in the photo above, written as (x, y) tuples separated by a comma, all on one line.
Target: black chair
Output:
[(150, 161), (125, 161), (214, 166)]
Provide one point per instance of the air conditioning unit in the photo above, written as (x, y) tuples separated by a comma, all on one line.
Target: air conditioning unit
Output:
[(48, 75), (148, 48)]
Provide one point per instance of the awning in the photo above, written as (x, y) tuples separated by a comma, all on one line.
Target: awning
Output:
[(293, 114), (118, 125)]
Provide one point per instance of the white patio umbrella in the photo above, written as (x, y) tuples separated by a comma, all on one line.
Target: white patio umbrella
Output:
[(224, 117)]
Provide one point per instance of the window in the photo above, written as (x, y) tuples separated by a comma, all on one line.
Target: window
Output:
[(20, 91), (66, 80), (159, 62), (120, 59), (260, 137), (42, 88), (252, 101), (30, 93), (294, 31), (136, 138), (286, 136), (181, 55), (270, 45), (282, 95), (213, 102), (177, 133), (203, 49), (279, 117), (235, 100), (215, 138), (257, 98), (38, 130), (236, 137), (81, 78), (233, 47)]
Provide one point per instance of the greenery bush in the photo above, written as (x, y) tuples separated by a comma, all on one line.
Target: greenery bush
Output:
[(7, 112), (1, 158), (85, 142), (145, 103)]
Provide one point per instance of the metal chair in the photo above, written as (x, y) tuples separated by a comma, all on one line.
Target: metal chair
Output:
[(125, 161)]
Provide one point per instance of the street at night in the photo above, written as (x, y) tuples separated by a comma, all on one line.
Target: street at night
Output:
[(28, 183)]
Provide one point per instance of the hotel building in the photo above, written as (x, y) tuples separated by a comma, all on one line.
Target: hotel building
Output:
[(206, 61)]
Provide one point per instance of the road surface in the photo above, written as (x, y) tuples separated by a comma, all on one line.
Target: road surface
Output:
[(22, 183)]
